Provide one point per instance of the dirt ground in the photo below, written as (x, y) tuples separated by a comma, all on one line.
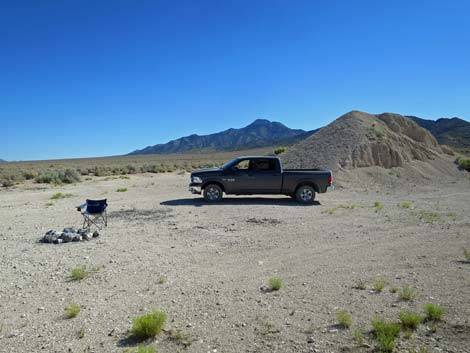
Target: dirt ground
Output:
[(207, 267)]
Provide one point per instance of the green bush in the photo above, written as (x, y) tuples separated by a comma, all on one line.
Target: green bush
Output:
[(59, 195), (434, 312), (72, 311), (145, 349), (410, 320), (280, 150), (463, 163), (385, 334), (378, 206), (79, 273), (121, 190), (148, 325), (275, 283), (379, 284), (466, 254), (344, 318)]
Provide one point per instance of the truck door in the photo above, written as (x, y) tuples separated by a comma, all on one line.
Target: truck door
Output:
[(240, 178), (267, 175)]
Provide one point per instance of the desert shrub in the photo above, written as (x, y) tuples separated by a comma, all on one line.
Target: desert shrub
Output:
[(179, 337), (410, 320), (344, 318), (48, 177), (379, 284), (79, 273), (148, 325), (428, 216), (145, 349), (130, 169), (280, 150), (405, 204), (275, 283), (121, 190), (360, 284), (385, 334), (30, 174), (466, 254), (101, 171), (72, 311), (59, 195), (378, 206), (358, 337), (463, 163), (67, 176), (11, 179), (434, 312), (407, 293)]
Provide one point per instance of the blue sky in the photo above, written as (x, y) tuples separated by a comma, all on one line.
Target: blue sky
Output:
[(96, 78)]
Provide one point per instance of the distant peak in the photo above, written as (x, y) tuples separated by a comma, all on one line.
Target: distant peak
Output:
[(261, 122)]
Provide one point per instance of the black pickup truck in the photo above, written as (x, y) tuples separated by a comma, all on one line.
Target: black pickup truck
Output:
[(259, 175)]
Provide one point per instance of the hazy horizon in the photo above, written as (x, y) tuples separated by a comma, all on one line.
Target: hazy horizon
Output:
[(83, 79)]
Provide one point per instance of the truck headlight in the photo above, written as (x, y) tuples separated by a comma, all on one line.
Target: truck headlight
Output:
[(196, 179)]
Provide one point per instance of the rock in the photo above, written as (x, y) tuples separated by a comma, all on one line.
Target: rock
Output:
[(310, 340), (51, 236), (67, 237)]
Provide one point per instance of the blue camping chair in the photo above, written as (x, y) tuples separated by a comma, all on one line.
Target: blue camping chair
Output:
[(94, 212)]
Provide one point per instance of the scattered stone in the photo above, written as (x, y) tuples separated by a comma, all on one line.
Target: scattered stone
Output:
[(69, 234)]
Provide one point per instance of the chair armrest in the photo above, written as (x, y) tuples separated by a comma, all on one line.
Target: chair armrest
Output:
[(79, 208)]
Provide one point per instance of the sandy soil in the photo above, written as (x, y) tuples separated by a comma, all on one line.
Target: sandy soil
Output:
[(207, 267)]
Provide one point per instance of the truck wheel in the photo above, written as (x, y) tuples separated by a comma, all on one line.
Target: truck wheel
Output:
[(213, 193), (305, 194)]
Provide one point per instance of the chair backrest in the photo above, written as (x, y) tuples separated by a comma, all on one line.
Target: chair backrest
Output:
[(96, 206)]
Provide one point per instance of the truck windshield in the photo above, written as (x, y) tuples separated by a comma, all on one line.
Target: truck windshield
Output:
[(231, 163)]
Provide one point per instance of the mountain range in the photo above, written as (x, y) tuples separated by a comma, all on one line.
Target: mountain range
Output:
[(454, 132), (260, 133)]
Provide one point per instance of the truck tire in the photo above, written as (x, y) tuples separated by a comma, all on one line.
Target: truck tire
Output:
[(305, 194), (213, 193)]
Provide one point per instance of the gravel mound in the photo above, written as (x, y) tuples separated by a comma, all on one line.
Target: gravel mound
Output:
[(358, 139)]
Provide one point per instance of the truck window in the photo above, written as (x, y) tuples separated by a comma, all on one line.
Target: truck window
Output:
[(243, 165), (264, 165)]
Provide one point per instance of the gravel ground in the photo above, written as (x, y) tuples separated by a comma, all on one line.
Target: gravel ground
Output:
[(207, 267)]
